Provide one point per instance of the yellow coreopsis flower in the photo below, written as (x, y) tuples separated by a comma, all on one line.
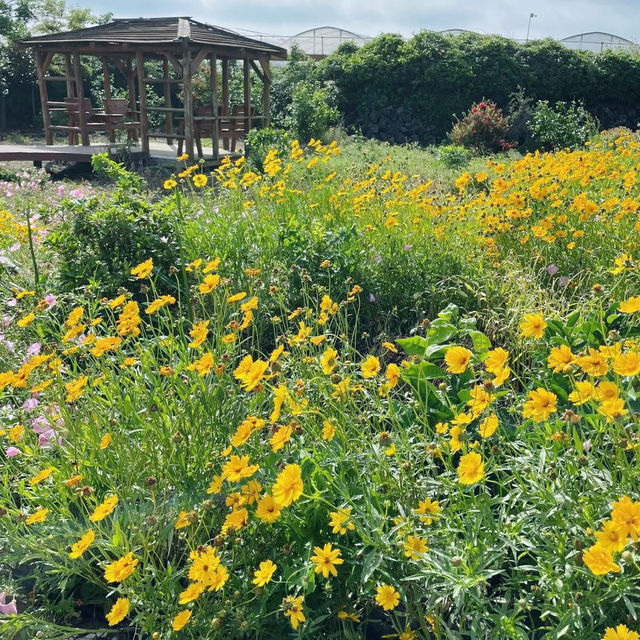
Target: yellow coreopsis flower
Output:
[(180, 621), (471, 468), (387, 597), (143, 270), (326, 559), (121, 569), (78, 548), (264, 573), (370, 367), (288, 485), (540, 404), (118, 612), (457, 359), (533, 326)]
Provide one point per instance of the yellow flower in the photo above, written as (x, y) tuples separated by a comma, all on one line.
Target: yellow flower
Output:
[(626, 515), (268, 509), (631, 305), (184, 519), (560, 359), (612, 409), (280, 438), (340, 521), (209, 283), (204, 562), (621, 632), (326, 559), (78, 548), (533, 325), (202, 365), (105, 441), (264, 573), (329, 361), (328, 431), (370, 367), (293, 610), (414, 547), (118, 612), (613, 537), (390, 347), (42, 476), (238, 468), (488, 426), (143, 270), (540, 404), (236, 297), (387, 597), (120, 569), (496, 360), (583, 392), (37, 516), (428, 510), (191, 593), (288, 485), (26, 320), (170, 184), (211, 266), (599, 560), (393, 375), (199, 334), (181, 620), (457, 359), (158, 303), (627, 364), (199, 180), (104, 509), (470, 468)]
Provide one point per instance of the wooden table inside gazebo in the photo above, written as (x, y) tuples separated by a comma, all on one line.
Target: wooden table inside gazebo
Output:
[(181, 45)]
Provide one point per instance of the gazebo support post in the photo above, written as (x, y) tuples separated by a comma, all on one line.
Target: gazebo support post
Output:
[(188, 101), (246, 81), (168, 121), (142, 98), (107, 93), (72, 136), (44, 99), (82, 113), (131, 90), (266, 92), (225, 96), (213, 64)]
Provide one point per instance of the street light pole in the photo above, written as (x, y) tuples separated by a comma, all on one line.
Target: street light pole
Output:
[(531, 16)]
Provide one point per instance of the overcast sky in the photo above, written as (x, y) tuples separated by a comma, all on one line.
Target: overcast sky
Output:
[(555, 18)]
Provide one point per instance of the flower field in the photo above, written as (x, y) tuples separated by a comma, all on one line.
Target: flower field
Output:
[(355, 402)]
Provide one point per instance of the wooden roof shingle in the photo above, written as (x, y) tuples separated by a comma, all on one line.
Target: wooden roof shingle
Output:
[(160, 31)]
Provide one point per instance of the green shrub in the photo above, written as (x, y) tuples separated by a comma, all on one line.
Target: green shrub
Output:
[(453, 156), (563, 125), (260, 141), (311, 113), (102, 238)]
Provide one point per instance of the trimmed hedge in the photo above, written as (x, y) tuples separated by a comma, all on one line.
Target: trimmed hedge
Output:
[(399, 90)]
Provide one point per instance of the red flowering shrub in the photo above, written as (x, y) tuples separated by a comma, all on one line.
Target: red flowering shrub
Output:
[(482, 128)]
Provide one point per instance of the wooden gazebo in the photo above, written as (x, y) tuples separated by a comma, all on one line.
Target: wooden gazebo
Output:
[(179, 46)]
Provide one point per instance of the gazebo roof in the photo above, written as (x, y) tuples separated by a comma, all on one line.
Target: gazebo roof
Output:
[(153, 32)]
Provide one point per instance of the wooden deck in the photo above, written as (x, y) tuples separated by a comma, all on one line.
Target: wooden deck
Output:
[(159, 153)]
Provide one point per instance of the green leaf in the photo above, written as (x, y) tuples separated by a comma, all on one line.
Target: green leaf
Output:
[(481, 343), (423, 371), (440, 332), (415, 346)]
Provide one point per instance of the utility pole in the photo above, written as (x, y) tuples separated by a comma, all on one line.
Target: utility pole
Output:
[(531, 16)]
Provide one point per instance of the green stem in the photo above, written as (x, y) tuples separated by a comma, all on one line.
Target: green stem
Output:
[(36, 273)]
